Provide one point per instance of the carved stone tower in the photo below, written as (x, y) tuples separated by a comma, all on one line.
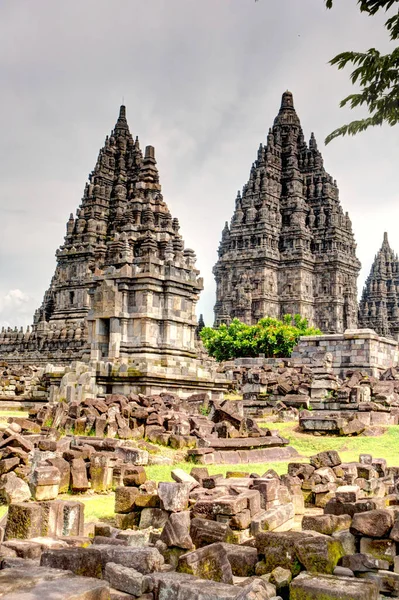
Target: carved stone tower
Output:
[(124, 284), (379, 306), (289, 247)]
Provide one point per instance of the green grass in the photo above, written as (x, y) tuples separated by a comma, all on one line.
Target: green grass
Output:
[(97, 507), (384, 446), (5, 414)]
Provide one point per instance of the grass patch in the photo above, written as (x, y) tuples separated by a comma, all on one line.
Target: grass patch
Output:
[(5, 414), (384, 446), (97, 507)]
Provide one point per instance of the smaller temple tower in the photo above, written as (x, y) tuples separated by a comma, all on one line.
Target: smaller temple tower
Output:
[(379, 306)]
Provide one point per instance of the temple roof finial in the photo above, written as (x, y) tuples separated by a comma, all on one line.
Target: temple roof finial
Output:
[(122, 122), (287, 114)]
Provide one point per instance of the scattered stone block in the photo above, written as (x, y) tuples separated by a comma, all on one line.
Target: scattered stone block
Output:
[(314, 587), (326, 524), (374, 523), (209, 562), (125, 499), (124, 579), (174, 496), (360, 563), (13, 489), (176, 531), (204, 532), (24, 521), (153, 517), (319, 553), (384, 549)]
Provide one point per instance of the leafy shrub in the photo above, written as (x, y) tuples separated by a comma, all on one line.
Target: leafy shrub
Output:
[(269, 336)]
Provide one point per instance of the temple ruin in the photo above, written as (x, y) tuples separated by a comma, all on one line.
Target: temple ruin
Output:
[(379, 305), (289, 247), (125, 287)]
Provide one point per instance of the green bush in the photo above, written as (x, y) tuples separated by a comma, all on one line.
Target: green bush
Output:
[(269, 336)]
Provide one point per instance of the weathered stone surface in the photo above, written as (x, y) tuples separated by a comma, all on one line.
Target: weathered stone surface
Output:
[(375, 523), (273, 518), (204, 532), (388, 582), (134, 476), (328, 587), (359, 563), (384, 549), (329, 458), (181, 476), (280, 549), (347, 493), (124, 579), (72, 588), (79, 481), (242, 559), (153, 517), (64, 470), (177, 531), (13, 489), (182, 586), (319, 553), (125, 499), (174, 496), (45, 482), (14, 579), (81, 561), (91, 561), (25, 548), (256, 589), (326, 524), (280, 577), (209, 562), (24, 521)]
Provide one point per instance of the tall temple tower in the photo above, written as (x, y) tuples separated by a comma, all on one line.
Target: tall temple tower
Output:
[(379, 306), (289, 247), (124, 284)]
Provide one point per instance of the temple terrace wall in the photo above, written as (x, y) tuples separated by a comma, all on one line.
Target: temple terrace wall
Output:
[(354, 349)]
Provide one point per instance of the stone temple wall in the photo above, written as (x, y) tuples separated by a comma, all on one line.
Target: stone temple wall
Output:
[(354, 349)]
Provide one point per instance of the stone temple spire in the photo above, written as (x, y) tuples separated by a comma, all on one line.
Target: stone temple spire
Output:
[(121, 123), (123, 225), (287, 114), (290, 246), (379, 305)]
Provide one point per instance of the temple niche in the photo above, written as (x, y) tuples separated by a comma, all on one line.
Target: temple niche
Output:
[(379, 305), (289, 247)]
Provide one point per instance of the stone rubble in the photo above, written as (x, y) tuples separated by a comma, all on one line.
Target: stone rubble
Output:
[(220, 537), (284, 390), (99, 444)]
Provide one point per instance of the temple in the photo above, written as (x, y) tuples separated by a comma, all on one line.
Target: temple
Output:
[(379, 305), (289, 247), (125, 287)]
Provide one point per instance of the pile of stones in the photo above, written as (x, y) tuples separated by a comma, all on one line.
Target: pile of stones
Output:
[(19, 383), (91, 445), (213, 538), (36, 466), (325, 476), (321, 401)]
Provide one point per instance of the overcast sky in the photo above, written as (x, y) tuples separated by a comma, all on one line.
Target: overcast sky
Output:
[(202, 82)]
